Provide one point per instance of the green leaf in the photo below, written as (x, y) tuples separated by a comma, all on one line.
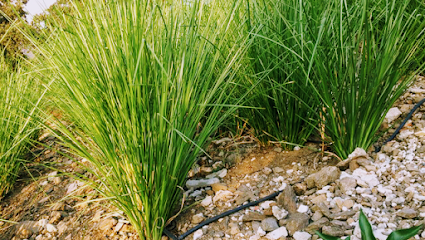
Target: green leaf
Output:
[(366, 229), (404, 234), (327, 237)]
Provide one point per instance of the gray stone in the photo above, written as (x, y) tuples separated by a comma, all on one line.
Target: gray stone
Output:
[(317, 215), (317, 225), (269, 224), (335, 231), (347, 184), (27, 228), (106, 224), (234, 228), (197, 218), (301, 236), (253, 216), (287, 199), (255, 225), (277, 233), (323, 177), (407, 213), (201, 183), (342, 215), (297, 222), (300, 188), (324, 209)]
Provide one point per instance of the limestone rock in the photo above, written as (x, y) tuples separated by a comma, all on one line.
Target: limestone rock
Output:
[(323, 177), (269, 224), (302, 236), (201, 183), (335, 231), (317, 225), (287, 199), (392, 114), (106, 224), (407, 213), (297, 222), (347, 184), (253, 216), (277, 233)]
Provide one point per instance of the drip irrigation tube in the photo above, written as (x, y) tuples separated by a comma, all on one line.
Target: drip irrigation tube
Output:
[(210, 220), (273, 195), (377, 149)]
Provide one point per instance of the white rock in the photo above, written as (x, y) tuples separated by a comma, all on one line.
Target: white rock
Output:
[(222, 195), (380, 234), (420, 133), (357, 231), (278, 233), (392, 114), (118, 226), (368, 178), (416, 90), (197, 234), (254, 237), (405, 133), (261, 232), (279, 213), (266, 204), (52, 175), (51, 228), (207, 201), (222, 173), (282, 186), (74, 186), (302, 235), (358, 152), (43, 222), (302, 209), (201, 183)]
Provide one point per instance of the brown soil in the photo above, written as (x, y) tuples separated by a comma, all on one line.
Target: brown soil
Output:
[(35, 197)]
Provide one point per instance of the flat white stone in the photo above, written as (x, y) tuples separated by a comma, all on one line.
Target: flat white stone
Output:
[(392, 114), (51, 228), (302, 209), (266, 204), (279, 213), (302, 236), (222, 195), (197, 234), (207, 201), (278, 233), (201, 183)]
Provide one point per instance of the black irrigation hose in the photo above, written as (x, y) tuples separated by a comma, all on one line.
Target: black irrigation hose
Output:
[(273, 195), (377, 149), (210, 220)]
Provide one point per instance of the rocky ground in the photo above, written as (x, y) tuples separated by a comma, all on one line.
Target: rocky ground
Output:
[(319, 192)]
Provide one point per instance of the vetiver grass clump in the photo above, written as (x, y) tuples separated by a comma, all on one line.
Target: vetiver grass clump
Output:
[(335, 65), (361, 66), (147, 84), (20, 95), (286, 111)]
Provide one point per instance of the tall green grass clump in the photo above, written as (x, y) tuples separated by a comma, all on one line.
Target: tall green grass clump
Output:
[(147, 83), (362, 64), (337, 64), (286, 111), (19, 94)]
